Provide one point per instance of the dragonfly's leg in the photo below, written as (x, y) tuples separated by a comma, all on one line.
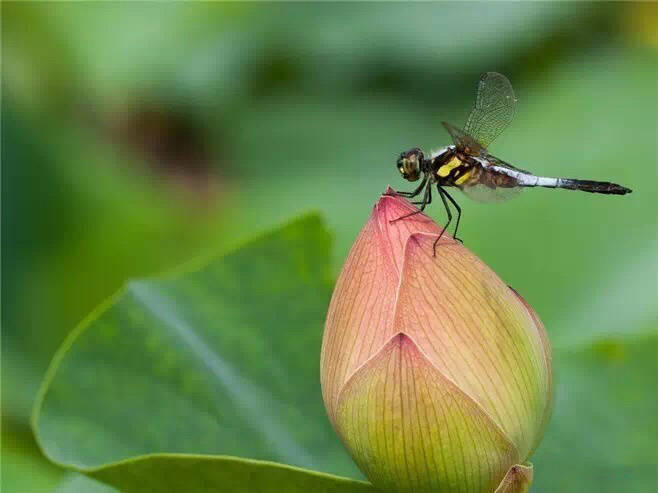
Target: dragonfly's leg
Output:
[(442, 193), (427, 198), (459, 214), (415, 192)]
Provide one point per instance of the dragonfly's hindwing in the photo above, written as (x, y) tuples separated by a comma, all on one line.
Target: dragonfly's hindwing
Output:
[(487, 184)]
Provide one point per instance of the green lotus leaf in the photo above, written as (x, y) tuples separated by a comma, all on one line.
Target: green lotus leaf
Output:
[(212, 361)]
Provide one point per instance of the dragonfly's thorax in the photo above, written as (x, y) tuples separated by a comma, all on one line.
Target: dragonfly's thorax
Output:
[(441, 153), (448, 167)]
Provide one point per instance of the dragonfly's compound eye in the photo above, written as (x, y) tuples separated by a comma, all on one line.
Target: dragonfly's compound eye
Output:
[(400, 165), (409, 164)]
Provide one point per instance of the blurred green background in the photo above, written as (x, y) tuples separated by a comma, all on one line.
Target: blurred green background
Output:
[(136, 136)]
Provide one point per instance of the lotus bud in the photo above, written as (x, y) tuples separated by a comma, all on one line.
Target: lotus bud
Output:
[(435, 374)]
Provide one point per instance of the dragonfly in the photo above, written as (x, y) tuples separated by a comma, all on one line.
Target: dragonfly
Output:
[(468, 165)]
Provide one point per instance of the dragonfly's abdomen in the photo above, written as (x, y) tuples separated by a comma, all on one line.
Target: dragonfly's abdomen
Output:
[(593, 186), (605, 187)]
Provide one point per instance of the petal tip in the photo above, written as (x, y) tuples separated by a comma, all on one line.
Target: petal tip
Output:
[(402, 341), (392, 201), (517, 479), (399, 342), (405, 345), (425, 240)]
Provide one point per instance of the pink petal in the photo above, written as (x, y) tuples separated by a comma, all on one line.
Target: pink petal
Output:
[(393, 236), (360, 316), (548, 361), (477, 333), (410, 429)]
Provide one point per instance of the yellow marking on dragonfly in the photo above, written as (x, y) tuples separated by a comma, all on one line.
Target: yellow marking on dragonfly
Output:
[(463, 178), (444, 170)]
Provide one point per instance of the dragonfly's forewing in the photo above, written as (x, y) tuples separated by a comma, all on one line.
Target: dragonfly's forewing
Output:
[(492, 179), (494, 108)]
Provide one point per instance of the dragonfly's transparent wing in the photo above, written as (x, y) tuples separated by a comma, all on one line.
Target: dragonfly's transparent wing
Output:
[(494, 109), (493, 161), (482, 193), (464, 141)]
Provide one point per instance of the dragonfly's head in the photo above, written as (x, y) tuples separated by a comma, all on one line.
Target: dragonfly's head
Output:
[(408, 164)]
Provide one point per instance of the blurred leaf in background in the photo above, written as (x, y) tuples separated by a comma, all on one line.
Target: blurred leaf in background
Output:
[(214, 361), (136, 136), (222, 351)]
